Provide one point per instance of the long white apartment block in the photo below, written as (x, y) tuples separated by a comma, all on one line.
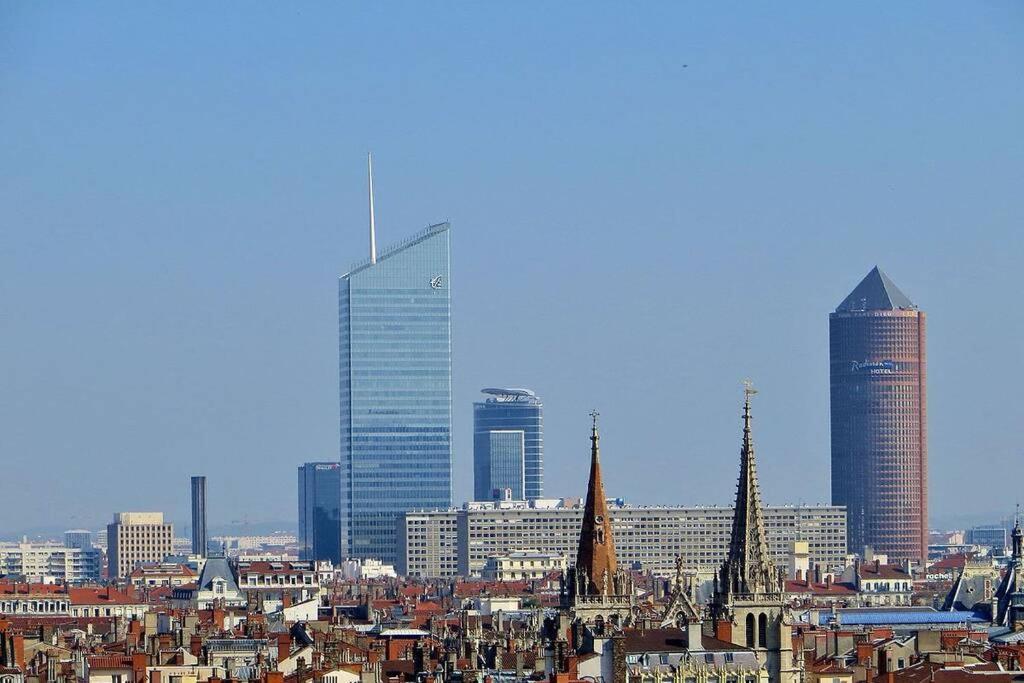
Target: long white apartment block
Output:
[(459, 541)]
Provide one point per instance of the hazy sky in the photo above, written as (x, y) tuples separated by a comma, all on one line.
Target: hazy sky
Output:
[(650, 202)]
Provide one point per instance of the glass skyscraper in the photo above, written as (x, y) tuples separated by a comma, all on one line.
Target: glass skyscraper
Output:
[(508, 445), (319, 511), (396, 390)]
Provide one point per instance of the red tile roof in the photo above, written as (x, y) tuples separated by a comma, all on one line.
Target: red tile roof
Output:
[(15, 588), (100, 596), (110, 662), (162, 570), (955, 561)]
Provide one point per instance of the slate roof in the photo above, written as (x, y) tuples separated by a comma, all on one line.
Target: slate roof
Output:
[(217, 567), (672, 640), (869, 570), (876, 292)]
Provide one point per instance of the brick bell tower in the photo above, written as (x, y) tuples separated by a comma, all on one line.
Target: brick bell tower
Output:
[(596, 590)]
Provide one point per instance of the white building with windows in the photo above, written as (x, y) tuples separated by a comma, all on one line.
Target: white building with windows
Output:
[(523, 565), (273, 586), (458, 542), (50, 562)]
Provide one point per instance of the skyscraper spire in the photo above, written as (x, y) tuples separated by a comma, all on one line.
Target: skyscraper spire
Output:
[(595, 561), (749, 568), (373, 227)]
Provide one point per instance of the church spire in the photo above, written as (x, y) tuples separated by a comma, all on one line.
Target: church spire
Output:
[(595, 561), (749, 568), (1017, 537)]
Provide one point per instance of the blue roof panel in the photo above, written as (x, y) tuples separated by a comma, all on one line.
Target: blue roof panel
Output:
[(885, 617)]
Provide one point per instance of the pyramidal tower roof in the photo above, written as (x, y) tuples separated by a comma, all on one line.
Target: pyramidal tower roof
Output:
[(596, 557), (876, 292)]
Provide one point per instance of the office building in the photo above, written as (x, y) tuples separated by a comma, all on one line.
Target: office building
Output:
[(508, 445), (458, 542), (134, 538), (320, 511), (995, 538), (199, 516), (78, 538), (395, 366), (878, 411)]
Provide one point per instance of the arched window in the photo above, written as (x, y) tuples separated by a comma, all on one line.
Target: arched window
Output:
[(599, 624), (762, 630), (750, 631)]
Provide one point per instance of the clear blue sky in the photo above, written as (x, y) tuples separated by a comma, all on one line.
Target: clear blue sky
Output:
[(649, 203)]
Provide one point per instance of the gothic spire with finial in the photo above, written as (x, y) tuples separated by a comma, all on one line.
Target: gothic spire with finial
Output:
[(749, 567), (1017, 537), (595, 560)]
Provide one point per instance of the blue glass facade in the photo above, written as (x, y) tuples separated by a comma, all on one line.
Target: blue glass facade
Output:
[(396, 391), (501, 459), (320, 511)]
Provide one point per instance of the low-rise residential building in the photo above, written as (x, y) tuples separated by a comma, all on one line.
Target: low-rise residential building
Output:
[(105, 602), (524, 564), (34, 599), (663, 655), (62, 600), (275, 585), (172, 574), (238, 656), (215, 587), (881, 584), (368, 569)]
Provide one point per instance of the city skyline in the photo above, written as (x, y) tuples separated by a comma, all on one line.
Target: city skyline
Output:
[(170, 296)]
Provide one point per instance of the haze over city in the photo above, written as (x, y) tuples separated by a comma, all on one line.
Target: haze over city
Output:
[(648, 206)]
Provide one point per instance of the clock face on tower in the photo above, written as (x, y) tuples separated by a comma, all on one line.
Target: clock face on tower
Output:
[(599, 519), (436, 282)]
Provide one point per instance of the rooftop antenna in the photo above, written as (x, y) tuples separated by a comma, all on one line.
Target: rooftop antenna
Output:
[(373, 227)]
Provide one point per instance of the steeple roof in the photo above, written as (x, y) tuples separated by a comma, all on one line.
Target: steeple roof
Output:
[(595, 559), (749, 567), (876, 292)]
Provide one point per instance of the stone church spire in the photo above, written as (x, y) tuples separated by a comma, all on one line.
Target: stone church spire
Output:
[(595, 561), (749, 569)]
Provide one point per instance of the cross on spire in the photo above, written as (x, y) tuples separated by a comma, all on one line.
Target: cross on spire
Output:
[(748, 389)]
